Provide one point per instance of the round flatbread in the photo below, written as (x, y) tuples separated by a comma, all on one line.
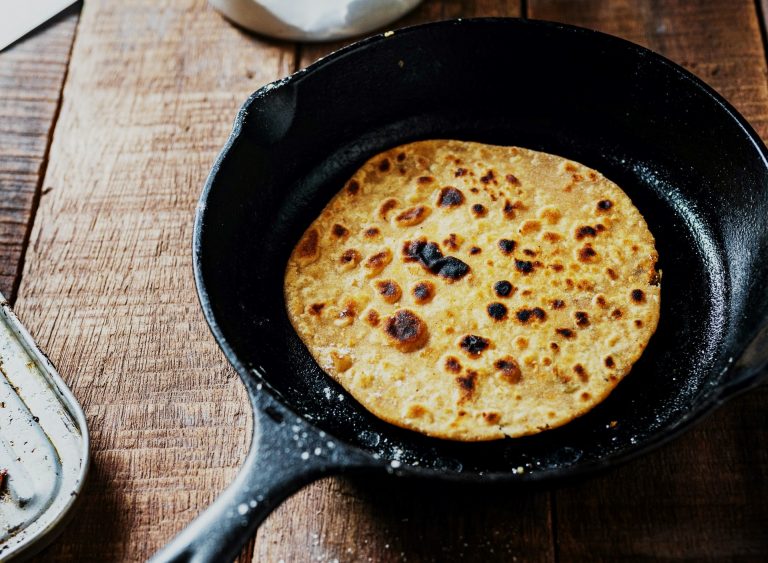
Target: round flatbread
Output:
[(473, 292)]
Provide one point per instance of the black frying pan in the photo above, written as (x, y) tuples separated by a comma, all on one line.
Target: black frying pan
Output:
[(688, 160)]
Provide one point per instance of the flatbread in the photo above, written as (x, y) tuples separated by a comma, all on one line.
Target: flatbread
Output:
[(473, 292)]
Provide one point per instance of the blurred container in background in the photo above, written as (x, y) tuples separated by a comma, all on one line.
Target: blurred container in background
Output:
[(313, 20)]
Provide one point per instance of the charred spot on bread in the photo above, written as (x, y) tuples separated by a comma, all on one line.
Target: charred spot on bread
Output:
[(491, 417), (523, 315), (389, 290), (467, 385), (353, 187), (511, 208), (412, 216), (530, 226), (349, 310), (582, 318), (453, 364), (423, 292), (497, 311), (604, 204), (488, 177), (509, 368), (524, 266), (585, 231), (479, 210), (474, 345), (406, 330), (587, 253), (316, 308), (552, 237), (507, 246), (503, 288), (581, 372), (339, 231), (386, 206), (536, 313), (429, 256), (349, 255), (378, 261), (552, 215), (350, 258), (372, 318), (452, 242), (308, 246), (450, 197)]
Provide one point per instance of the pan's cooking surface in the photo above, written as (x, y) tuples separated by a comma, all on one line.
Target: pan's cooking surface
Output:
[(690, 167), (662, 386)]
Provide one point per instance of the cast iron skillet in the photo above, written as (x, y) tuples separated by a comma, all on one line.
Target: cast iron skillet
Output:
[(691, 164)]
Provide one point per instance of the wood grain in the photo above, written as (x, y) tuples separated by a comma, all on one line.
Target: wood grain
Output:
[(107, 291), (702, 498), (31, 77), (107, 288)]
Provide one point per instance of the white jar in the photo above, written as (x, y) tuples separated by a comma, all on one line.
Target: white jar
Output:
[(313, 20)]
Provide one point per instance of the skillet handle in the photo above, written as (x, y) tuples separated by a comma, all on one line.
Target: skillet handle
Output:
[(751, 368), (286, 453)]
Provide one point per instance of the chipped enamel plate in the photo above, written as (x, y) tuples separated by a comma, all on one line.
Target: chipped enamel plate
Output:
[(43, 444)]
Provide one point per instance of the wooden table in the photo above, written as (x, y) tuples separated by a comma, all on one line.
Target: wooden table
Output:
[(110, 120)]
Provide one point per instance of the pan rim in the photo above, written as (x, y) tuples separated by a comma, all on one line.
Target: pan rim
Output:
[(579, 469)]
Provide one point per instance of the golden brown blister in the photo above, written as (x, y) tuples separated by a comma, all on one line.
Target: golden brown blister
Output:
[(472, 292)]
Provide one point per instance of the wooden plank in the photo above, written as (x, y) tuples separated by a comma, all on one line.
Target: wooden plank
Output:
[(31, 77), (702, 498), (107, 287), (392, 520)]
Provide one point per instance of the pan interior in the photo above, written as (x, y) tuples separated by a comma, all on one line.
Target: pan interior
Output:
[(688, 165)]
